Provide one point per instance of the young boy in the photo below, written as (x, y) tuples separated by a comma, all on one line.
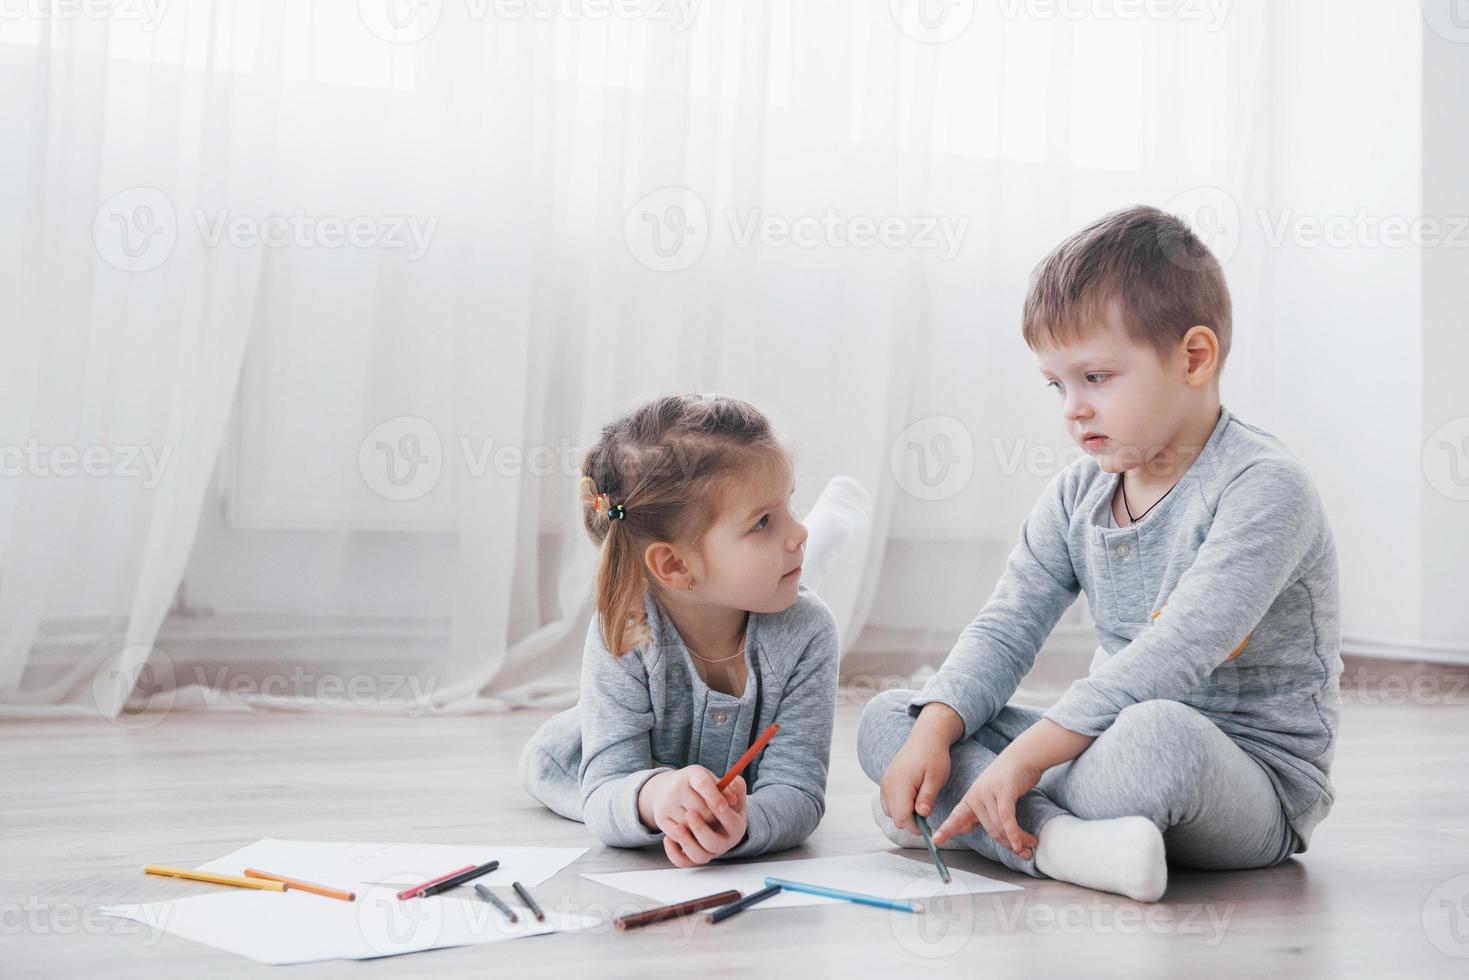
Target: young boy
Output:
[(1205, 728)]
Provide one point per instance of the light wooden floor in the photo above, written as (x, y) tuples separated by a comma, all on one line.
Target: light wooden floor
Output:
[(85, 805)]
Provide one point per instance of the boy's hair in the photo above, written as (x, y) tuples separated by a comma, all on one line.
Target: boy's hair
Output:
[(1143, 263), (669, 463)]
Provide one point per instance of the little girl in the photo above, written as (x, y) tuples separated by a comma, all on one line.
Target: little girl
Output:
[(703, 636)]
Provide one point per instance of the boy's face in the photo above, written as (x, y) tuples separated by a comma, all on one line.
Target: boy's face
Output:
[(751, 557), (1120, 390)]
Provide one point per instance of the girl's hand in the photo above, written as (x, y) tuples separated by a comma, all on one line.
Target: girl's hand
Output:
[(693, 840), (990, 803), (699, 822)]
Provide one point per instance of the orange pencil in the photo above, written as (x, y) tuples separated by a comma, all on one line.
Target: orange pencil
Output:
[(748, 757), (302, 886)]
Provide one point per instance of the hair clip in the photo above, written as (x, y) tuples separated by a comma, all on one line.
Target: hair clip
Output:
[(617, 512)]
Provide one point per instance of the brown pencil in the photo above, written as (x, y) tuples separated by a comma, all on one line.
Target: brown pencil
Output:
[(302, 886), (640, 919)]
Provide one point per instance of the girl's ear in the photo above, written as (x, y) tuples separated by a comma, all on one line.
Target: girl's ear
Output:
[(666, 567)]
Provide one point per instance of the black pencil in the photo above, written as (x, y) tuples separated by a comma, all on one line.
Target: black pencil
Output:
[(530, 903), (459, 879), (734, 908), (489, 896)]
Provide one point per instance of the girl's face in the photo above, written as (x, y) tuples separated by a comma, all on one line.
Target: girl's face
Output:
[(751, 556)]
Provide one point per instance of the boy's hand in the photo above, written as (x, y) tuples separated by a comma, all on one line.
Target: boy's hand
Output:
[(990, 803), (921, 767), (698, 821)]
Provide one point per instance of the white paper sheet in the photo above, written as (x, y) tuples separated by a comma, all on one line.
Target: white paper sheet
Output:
[(342, 865), (296, 927), (880, 873)]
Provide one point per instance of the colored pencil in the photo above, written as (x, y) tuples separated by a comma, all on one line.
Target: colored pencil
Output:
[(238, 882), (293, 884), (484, 892), (462, 878), (410, 892), (639, 919), (748, 757), (734, 908), (530, 903), (933, 851), (858, 897)]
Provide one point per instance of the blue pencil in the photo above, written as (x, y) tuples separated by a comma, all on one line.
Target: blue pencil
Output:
[(858, 897)]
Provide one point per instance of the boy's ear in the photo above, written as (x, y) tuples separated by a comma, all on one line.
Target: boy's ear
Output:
[(670, 571), (1201, 354)]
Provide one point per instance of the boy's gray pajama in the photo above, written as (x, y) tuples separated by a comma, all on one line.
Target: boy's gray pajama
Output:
[(1213, 693)]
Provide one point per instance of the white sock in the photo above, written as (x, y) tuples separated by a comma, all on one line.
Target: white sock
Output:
[(1123, 855), (901, 837)]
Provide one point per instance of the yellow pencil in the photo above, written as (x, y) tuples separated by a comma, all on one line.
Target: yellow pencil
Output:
[(267, 886)]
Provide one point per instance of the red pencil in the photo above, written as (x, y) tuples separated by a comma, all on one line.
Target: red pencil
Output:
[(748, 757), (410, 892)]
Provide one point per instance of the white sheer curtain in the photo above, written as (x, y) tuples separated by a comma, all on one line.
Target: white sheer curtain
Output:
[(401, 244)]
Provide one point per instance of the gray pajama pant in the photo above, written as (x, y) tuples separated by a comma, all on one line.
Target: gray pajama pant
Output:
[(1162, 760)]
